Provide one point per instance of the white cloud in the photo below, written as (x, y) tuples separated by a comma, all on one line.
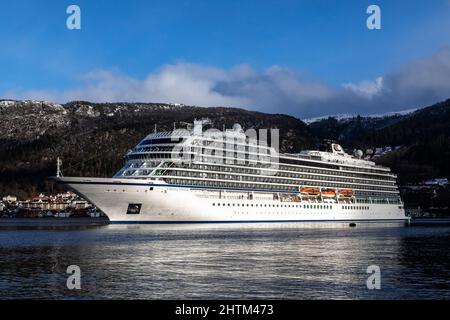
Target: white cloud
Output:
[(179, 83), (366, 88), (275, 89)]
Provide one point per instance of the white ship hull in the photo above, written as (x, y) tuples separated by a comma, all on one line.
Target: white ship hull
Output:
[(162, 203)]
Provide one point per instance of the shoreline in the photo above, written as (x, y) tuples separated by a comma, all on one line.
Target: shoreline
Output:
[(54, 221)]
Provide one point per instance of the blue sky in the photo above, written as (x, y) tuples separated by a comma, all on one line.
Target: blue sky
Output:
[(305, 58)]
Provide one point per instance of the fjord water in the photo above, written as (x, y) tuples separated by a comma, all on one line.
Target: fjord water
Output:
[(230, 261)]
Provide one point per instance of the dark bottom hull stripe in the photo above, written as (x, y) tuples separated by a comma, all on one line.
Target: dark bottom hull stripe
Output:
[(257, 221)]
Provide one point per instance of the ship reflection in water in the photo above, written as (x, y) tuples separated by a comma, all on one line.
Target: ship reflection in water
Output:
[(231, 261)]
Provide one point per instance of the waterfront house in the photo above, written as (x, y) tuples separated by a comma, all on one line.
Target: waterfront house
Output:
[(10, 199)]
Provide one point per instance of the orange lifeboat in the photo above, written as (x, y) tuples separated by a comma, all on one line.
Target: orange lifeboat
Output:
[(310, 191), (346, 192), (328, 192)]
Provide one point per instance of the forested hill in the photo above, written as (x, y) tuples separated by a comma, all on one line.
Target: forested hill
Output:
[(423, 137), (92, 138)]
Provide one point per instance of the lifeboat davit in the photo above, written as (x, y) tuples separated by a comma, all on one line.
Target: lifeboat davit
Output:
[(310, 191), (346, 192)]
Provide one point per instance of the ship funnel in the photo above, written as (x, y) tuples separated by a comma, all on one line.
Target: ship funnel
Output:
[(358, 153), (237, 127)]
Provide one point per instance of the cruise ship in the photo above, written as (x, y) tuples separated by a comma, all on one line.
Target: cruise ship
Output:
[(194, 175)]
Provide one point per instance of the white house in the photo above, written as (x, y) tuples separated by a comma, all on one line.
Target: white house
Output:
[(9, 199)]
